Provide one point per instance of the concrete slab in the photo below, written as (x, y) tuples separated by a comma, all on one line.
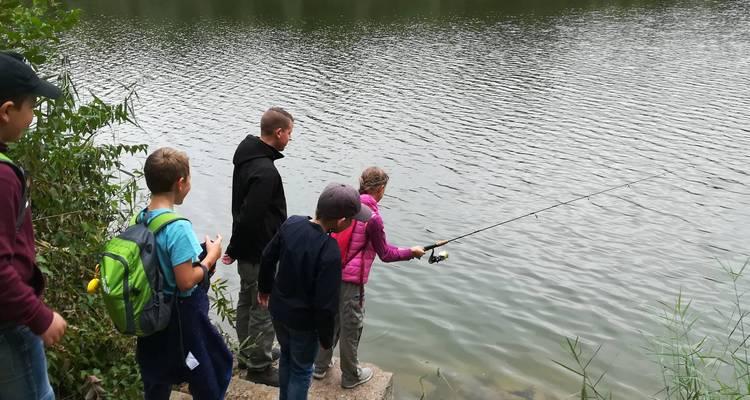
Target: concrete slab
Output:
[(380, 387), (180, 396)]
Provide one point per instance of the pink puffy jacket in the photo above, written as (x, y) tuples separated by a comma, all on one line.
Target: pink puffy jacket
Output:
[(367, 240)]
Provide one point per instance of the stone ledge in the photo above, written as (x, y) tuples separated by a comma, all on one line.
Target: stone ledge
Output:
[(380, 387)]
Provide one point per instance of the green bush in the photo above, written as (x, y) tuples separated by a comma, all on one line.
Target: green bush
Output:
[(81, 193)]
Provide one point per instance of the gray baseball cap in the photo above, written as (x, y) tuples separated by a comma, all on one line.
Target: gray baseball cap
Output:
[(342, 201)]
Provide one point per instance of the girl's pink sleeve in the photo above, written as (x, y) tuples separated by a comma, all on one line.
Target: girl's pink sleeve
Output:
[(385, 251)]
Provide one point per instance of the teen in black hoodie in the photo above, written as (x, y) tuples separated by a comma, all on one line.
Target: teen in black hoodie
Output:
[(258, 202), (258, 210)]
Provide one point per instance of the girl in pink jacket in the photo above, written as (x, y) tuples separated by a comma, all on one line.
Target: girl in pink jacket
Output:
[(360, 245)]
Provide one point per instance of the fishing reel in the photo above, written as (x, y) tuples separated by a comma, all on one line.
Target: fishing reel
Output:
[(434, 259), (442, 256)]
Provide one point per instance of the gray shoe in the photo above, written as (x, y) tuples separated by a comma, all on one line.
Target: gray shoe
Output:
[(320, 373), (275, 355), (268, 376), (365, 374)]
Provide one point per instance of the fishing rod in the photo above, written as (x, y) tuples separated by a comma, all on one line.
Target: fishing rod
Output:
[(444, 255)]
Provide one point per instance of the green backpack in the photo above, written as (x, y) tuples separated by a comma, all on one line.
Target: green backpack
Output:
[(132, 281), (23, 202)]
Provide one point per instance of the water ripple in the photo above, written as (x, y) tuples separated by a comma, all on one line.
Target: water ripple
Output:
[(477, 122)]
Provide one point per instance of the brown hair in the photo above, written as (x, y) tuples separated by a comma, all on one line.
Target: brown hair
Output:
[(17, 98), (326, 220), (164, 167), (275, 118), (372, 178)]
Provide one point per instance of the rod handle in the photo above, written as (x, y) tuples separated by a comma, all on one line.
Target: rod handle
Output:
[(436, 244)]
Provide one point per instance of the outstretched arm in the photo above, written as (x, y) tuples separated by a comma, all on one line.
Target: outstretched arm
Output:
[(386, 251)]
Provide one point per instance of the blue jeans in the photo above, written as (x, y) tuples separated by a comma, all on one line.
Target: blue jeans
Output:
[(23, 366), (298, 352)]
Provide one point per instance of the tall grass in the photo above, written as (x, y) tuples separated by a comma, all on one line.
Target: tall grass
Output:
[(692, 366)]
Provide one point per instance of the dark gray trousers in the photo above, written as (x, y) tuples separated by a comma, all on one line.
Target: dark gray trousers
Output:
[(254, 328), (347, 333)]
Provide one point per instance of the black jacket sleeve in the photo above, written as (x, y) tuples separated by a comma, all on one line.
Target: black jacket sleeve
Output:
[(327, 288), (255, 205), (267, 272)]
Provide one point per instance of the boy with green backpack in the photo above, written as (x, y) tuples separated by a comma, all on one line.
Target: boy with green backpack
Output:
[(167, 308)]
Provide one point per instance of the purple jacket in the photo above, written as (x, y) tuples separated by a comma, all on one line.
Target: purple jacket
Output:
[(21, 282), (367, 240)]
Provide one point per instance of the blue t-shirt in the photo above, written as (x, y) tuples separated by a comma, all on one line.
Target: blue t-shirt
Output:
[(175, 244)]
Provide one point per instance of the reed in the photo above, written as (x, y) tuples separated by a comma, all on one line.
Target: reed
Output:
[(693, 366)]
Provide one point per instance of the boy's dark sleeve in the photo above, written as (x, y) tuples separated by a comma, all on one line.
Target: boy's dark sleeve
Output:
[(327, 288), (254, 208), (18, 300), (267, 271)]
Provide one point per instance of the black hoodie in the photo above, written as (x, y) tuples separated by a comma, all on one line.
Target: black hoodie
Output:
[(258, 202)]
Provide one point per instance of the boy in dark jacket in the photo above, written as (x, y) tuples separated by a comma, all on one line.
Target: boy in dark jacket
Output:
[(26, 323), (258, 210), (304, 292)]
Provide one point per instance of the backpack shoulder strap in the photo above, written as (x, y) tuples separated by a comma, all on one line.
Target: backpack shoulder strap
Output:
[(21, 177), (162, 220)]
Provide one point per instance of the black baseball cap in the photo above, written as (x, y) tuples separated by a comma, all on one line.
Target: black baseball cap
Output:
[(17, 77), (342, 201)]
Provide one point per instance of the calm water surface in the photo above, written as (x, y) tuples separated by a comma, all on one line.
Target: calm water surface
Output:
[(479, 114)]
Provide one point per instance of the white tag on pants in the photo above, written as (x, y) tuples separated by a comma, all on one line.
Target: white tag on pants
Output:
[(191, 362)]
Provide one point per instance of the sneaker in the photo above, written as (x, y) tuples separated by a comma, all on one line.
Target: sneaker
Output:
[(321, 373), (275, 355), (365, 374), (268, 376)]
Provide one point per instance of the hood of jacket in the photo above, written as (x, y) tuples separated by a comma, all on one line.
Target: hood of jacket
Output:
[(251, 148), (369, 201)]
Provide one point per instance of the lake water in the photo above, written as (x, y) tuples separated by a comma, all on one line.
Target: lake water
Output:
[(479, 112)]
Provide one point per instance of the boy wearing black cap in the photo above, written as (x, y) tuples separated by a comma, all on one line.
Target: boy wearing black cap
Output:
[(303, 294), (26, 323)]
